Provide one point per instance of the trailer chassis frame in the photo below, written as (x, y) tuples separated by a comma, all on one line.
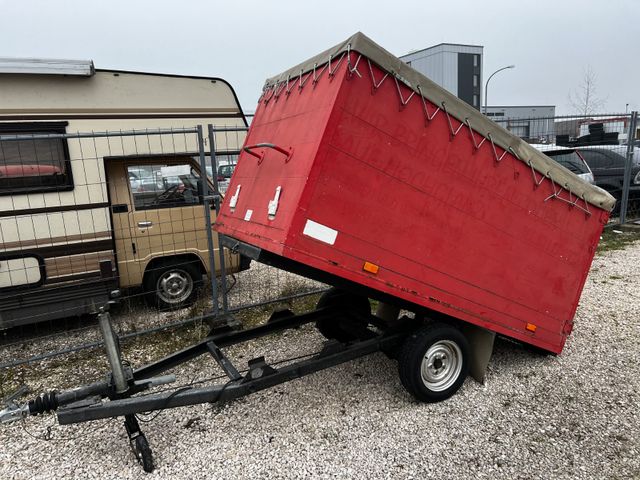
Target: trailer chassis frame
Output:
[(116, 395)]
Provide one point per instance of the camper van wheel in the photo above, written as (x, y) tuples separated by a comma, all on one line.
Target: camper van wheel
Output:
[(343, 302), (173, 284), (433, 362)]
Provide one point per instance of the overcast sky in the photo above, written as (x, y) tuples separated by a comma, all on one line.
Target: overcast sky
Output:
[(550, 42)]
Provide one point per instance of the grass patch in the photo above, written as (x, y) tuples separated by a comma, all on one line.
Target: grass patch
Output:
[(616, 241), (251, 317), (90, 365)]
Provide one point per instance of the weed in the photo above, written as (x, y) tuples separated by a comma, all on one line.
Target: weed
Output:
[(611, 240)]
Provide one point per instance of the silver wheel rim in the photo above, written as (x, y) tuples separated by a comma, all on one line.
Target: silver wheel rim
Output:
[(174, 286), (441, 365)]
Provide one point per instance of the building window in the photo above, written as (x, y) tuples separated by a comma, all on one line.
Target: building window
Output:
[(475, 80), (475, 100), (29, 164), (409, 63), (476, 60)]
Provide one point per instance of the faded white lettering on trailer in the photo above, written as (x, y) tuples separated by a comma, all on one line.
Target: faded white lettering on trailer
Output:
[(247, 215), (320, 232)]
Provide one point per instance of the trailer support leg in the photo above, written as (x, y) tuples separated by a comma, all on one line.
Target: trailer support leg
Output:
[(139, 445), (387, 312), (113, 351)]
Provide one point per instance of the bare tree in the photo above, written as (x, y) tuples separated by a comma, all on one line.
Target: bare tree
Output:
[(585, 99)]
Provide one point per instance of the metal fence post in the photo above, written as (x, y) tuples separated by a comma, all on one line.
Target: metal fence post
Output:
[(207, 215), (216, 202), (624, 201)]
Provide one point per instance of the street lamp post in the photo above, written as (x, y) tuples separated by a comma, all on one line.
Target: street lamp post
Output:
[(486, 85)]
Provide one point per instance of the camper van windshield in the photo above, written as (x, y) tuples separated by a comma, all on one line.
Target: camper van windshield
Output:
[(32, 164)]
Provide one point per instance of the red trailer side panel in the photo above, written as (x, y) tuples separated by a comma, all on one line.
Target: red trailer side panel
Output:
[(465, 229)]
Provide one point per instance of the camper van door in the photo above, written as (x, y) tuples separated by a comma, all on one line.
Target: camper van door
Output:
[(157, 214)]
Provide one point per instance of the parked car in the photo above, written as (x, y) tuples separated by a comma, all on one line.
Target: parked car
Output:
[(608, 169), (569, 158), (223, 182), (142, 179), (619, 149), (224, 175)]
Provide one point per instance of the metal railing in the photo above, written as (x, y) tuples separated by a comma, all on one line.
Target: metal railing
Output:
[(607, 143)]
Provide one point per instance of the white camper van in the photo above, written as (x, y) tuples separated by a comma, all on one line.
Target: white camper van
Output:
[(81, 216)]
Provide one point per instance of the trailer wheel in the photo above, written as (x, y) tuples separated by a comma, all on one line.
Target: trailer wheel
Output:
[(345, 302), (173, 284), (433, 362), (144, 454)]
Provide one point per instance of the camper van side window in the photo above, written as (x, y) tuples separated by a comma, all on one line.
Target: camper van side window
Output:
[(30, 163), (163, 186)]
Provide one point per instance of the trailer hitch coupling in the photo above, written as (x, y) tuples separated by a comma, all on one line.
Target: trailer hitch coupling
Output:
[(13, 413)]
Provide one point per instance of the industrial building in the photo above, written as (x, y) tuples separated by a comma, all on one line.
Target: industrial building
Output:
[(457, 68), (534, 123)]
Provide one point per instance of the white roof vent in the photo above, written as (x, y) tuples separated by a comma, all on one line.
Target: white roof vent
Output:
[(47, 66)]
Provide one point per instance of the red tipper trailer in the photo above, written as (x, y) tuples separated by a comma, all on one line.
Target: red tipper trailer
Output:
[(359, 171)]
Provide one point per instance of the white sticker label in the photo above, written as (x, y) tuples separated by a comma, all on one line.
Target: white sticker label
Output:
[(320, 232), (247, 216)]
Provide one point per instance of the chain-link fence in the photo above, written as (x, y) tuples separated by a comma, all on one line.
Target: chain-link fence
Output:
[(118, 220), (603, 149)]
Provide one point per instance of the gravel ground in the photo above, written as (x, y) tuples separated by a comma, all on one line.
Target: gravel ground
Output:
[(570, 416)]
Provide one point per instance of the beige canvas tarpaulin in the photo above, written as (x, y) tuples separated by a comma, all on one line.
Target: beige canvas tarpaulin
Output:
[(458, 109)]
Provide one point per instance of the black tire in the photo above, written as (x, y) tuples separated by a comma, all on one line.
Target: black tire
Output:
[(144, 453), (344, 302), (158, 284), (445, 370), (617, 194)]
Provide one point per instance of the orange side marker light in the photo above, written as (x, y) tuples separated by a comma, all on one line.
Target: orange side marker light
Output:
[(531, 327), (371, 268)]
